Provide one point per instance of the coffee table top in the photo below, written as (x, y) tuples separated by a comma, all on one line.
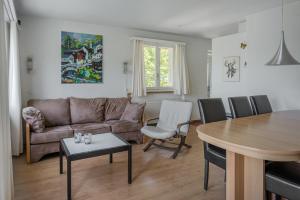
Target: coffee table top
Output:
[(100, 142)]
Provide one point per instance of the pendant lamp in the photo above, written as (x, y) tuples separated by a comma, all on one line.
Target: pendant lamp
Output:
[(282, 56)]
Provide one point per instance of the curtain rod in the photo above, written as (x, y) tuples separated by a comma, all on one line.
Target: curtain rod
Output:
[(156, 40)]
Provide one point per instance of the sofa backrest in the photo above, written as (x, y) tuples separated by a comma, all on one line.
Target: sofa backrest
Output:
[(115, 107), (89, 110), (58, 112), (55, 111)]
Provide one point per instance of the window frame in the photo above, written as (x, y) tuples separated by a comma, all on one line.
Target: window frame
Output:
[(158, 46)]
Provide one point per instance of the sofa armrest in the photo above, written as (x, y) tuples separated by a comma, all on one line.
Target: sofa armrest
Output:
[(28, 136)]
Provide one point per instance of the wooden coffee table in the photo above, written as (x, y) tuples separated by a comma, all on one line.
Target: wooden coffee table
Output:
[(102, 144)]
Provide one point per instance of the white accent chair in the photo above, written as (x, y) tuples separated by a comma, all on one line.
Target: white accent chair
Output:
[(173, 121)]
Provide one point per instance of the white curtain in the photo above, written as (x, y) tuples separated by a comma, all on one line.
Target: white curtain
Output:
[(15, 104), (138, 79), (6, 178), (181, 73)]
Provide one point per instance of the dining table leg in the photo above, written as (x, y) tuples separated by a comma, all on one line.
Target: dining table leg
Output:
[(254, 176), (245, 177), (234, 176)]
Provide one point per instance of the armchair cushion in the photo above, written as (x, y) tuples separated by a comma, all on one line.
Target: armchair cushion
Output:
[(87, 110), (173, 113), (157, 133), (133, 112), (51, 134), (91, 128), (114, 108), (34, 118)]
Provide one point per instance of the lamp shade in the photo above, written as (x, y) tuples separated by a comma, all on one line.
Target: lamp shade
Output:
[(283, 56)]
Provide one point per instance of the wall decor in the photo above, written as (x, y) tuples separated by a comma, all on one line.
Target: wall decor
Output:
[(231, 69), (81, 58)]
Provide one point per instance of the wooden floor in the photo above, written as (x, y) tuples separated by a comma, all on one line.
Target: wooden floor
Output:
[(155, 176)]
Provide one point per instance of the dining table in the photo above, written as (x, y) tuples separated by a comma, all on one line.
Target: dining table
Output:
[(251, 142)]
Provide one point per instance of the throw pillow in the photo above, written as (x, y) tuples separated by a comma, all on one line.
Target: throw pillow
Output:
[(133, 112), (115, 107), (34, 118)]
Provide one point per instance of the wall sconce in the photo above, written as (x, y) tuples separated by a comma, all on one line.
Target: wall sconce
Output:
[(243, 46), (29, 64)]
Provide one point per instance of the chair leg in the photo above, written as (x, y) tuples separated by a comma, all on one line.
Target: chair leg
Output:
[(268, 195), (149, 145), (206, 174), (187, 145), (277, 197), (182, 142)]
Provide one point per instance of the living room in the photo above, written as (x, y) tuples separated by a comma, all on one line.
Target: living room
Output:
[(143, 99)]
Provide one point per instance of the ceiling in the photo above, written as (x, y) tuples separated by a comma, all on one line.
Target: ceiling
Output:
[(204, 18)]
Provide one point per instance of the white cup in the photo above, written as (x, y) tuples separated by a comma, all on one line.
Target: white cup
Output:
[(77, 137)]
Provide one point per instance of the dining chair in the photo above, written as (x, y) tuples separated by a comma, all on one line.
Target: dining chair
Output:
[(173, 121), (260, 104), (240, 107), (212, 110), (283, 179)]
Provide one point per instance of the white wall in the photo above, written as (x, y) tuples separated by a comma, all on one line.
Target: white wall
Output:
[(281, 83), (40, 39)]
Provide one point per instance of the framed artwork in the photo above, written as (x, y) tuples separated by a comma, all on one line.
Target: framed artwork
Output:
[(81, 58), (231, 69)]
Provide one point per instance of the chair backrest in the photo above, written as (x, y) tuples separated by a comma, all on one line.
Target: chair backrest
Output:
[(211, 110), (240, 107), (260, 104), (173, 113)]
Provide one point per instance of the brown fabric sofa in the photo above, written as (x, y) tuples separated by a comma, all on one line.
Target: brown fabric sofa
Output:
[(64, 117)]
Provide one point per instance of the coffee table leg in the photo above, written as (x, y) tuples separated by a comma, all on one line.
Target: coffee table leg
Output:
[(110, 158), (61, 167), (129, 165), (69, 182)]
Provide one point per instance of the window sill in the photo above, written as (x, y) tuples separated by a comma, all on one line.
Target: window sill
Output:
[(160, 90)]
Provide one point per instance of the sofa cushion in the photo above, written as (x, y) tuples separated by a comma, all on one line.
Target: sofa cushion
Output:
[(91, 128), (114, 108), (133, 112), (56, 111), (34, 118), (52, 134), (123, 126), (87, 110)]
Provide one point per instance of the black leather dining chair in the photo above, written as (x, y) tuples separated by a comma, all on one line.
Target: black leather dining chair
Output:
[(283, 179), (212, 110), (240, 107), (260, 104)]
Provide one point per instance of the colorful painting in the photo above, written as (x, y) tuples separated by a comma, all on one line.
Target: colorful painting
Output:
[(81, 58), (231, 68)]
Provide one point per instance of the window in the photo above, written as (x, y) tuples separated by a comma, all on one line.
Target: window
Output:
[(158, 61)]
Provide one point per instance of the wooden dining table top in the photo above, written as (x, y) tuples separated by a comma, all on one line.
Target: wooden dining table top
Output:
[(273, 136)]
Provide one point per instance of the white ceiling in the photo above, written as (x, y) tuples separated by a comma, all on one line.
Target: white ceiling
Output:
[(205, 18)]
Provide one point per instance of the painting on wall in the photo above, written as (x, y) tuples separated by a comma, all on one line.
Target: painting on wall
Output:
[(81, 58), (231, 69)]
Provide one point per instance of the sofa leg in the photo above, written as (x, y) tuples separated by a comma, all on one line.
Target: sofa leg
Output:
[(149, 145), (28, 156)]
